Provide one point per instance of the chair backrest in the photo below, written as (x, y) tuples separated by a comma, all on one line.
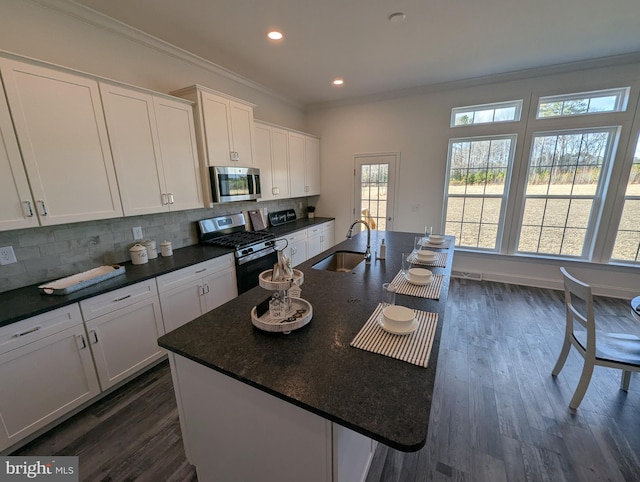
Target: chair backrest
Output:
[(579, 306)]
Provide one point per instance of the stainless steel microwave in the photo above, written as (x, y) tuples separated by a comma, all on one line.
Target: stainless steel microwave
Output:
[(234, 183)]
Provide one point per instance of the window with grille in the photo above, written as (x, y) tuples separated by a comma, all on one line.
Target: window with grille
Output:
[(563, 187), (627, 245), (610, 100), (477, 185), (486, 113)]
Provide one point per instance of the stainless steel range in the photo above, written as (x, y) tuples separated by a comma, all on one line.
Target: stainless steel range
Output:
[(254, 250)]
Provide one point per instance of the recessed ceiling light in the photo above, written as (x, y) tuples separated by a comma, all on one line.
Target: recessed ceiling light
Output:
[(338, 81), (397, 17), (275, 35)]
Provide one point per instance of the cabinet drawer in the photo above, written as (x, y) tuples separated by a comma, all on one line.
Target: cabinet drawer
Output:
[(297, 236), (182, 276), (315, 230), (116, 299), (37, 327)]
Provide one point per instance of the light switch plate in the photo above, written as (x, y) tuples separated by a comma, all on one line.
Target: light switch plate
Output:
[(137, 233), (7, 256)]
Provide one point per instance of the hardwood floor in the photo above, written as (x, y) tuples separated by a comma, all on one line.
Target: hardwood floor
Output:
[(497, 413)]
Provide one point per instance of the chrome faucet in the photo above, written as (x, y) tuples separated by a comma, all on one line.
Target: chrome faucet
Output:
[(367, 254)]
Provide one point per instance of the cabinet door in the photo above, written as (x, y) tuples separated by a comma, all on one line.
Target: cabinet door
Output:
[(312, 166), (296, 164), (263, 161), (43, 380), (280, 162), (182, 304), (179, 153), (314, 245), (328, 235), (125, 341), (219, 288), (15, 197), (241, 119), (61, 129), (217, 129), (135, 148), (297, 247)]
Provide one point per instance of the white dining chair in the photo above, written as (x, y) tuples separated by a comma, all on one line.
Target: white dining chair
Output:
[(613, 350)]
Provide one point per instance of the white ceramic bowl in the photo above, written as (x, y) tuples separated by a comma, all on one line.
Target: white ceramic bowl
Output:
[(425, 255), (419, 275), (436, 239), (397, 318)]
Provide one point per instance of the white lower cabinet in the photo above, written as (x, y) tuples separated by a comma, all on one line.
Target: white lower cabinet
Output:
[(190, 292), (46, 370), (233, 431), (297, 247), (320, 238), (123, 327)]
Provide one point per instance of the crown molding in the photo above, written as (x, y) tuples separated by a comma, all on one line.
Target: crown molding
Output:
[(100, 20), (567, 67)]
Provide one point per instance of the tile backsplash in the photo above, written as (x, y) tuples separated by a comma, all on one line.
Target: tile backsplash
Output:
[(53, 252)]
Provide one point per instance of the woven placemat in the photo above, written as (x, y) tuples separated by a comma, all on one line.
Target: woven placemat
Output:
[(431, 291), (414, 348), (439, 260)]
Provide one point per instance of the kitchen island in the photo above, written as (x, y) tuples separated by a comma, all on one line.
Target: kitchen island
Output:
[(304, 406)]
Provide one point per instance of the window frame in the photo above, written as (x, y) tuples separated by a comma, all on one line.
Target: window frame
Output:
[(622, 102), (598, 198), (504, 196), (517, 104)]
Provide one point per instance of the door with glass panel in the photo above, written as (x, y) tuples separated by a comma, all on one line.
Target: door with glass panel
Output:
[(374, 190)]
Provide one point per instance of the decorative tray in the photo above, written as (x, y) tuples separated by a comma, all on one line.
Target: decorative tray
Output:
[(64, 286), (266, 323), (264, 279)]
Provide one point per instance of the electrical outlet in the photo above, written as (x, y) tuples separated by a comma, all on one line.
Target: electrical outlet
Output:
[(137, 233), (7, 256)]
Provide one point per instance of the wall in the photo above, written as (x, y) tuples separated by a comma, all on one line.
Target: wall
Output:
[(53, 252), (416, 125), (59, 32)]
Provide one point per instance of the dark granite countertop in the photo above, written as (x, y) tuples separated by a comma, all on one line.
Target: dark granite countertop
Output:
[(22, 303), (314, 367)]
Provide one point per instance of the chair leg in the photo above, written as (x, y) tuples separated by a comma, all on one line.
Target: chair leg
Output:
[(583, 384), (626, 378), (566, 346)]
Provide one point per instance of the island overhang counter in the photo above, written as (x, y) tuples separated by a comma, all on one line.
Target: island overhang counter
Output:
[(308, 395)]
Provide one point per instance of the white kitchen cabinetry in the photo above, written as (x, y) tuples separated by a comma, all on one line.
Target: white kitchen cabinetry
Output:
[(297, 247), (61, 131), (190, 292), (15, 196), (123, 327), (154, 151), (304, 164), (272, 157), (226, 125), (46, 370), (320, 238)]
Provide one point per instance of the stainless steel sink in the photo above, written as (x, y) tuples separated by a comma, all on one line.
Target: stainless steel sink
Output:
[(341, 261)]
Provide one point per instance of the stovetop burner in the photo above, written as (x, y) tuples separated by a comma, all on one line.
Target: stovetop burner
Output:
[(230, 231)]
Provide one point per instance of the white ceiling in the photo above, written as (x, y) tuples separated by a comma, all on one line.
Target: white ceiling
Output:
[(440, 40)]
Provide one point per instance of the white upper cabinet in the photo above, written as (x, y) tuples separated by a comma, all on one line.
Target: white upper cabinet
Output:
[(272, 157), (304, 164), (60, 127), (179, 152), (15, 197), (225, 124), (154, 151)]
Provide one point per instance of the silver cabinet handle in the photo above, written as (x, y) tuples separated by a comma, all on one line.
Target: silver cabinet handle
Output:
[(43, 208), (35, 328), (170, 195), (201, 270), (29, 209), (95, 336), (205, 289), (121, 299), (80, 342), (164, 199)]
